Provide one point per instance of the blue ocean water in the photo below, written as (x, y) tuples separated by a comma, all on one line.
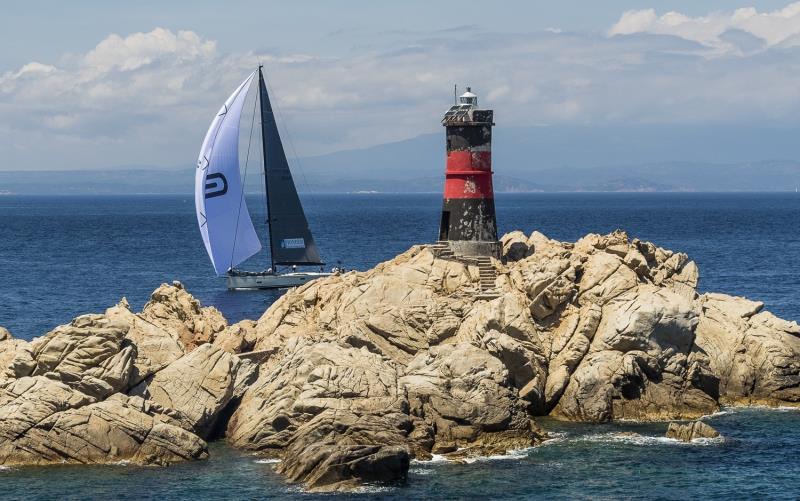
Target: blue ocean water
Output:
[(64, 256)]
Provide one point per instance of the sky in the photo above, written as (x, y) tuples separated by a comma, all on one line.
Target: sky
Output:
[(98, 84)]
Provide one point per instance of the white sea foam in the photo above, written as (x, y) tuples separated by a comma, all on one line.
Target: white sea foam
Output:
[(708, 441), (267, 461), (373, 489), (123, 462), (780, 408), (624, 438), (438, 458), (719, 413), (4, 468), (635, 439), (554, 438), (513, 454), (421, 471)]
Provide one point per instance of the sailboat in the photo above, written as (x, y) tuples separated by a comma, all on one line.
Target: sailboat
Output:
[(225, 223)]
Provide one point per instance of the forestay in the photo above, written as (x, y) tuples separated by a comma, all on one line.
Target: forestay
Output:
[(225, 223)]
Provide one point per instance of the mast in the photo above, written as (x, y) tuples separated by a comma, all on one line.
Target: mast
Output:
[(264, 98)]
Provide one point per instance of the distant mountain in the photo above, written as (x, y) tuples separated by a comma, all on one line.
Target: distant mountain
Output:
[(635, 158)]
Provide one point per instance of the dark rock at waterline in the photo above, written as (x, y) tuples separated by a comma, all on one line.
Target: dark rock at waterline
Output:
[(691, 431)]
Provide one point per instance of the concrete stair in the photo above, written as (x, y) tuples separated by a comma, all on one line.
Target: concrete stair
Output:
[(442, 251), (487, 274)]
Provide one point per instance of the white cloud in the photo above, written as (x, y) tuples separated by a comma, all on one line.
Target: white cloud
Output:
[(141, 49), (147, 98), (774, 28)]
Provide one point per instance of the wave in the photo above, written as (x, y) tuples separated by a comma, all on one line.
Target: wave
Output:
[(635, 439), (554, 437), (738, 408), (512, 454), (721, 412), (373, 489), (267, 461), (440, 458)]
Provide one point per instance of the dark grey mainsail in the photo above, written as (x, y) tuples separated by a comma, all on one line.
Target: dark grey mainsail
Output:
[(290, 238)]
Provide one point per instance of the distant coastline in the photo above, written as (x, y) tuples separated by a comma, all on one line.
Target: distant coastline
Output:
[(678, 177)]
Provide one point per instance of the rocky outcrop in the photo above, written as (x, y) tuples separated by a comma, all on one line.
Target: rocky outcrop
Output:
[(47, 422), (16, 359), (461, 399), (75, 395), (156, 347), (755, 354), (340, 449), (691, 431), (603, 329), (347, 378), (175, 311)]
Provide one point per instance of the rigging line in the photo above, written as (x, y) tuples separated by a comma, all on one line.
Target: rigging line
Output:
[(263, 162), (291, 143), (263, 179), (244, 181)]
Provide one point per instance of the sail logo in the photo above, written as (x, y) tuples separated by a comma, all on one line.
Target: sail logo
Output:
[(293, 243), (218, 185)]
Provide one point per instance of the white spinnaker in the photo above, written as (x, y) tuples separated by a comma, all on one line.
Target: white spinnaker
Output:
[(225, 223)]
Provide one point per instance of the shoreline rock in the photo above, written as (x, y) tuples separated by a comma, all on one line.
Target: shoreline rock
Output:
[(691, 431), (349, 378)]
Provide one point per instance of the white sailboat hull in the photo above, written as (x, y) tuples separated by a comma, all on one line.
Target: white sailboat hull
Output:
[(272, 280)]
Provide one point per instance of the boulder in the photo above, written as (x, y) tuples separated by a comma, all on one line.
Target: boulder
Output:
[(691, 431), (198, 386), (47, 422), (237, 338), (514, 246), (754, 354), (156, 347), (89, 355), (341, 449), (16, 359), (463, 395), (174, 310), (308, 379), (335, 414), (637, 366), (62, 395)]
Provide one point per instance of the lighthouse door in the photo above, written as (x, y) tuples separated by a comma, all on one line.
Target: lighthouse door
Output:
[(444, 228)]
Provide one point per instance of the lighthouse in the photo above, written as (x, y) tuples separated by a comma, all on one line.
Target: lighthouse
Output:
[(468, 224)]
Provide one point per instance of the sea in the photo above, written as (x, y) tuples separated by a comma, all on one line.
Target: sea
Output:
[(66, 256)]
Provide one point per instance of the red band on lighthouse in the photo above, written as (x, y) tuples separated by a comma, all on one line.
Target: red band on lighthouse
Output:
[(469, 160), (475, 184)]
